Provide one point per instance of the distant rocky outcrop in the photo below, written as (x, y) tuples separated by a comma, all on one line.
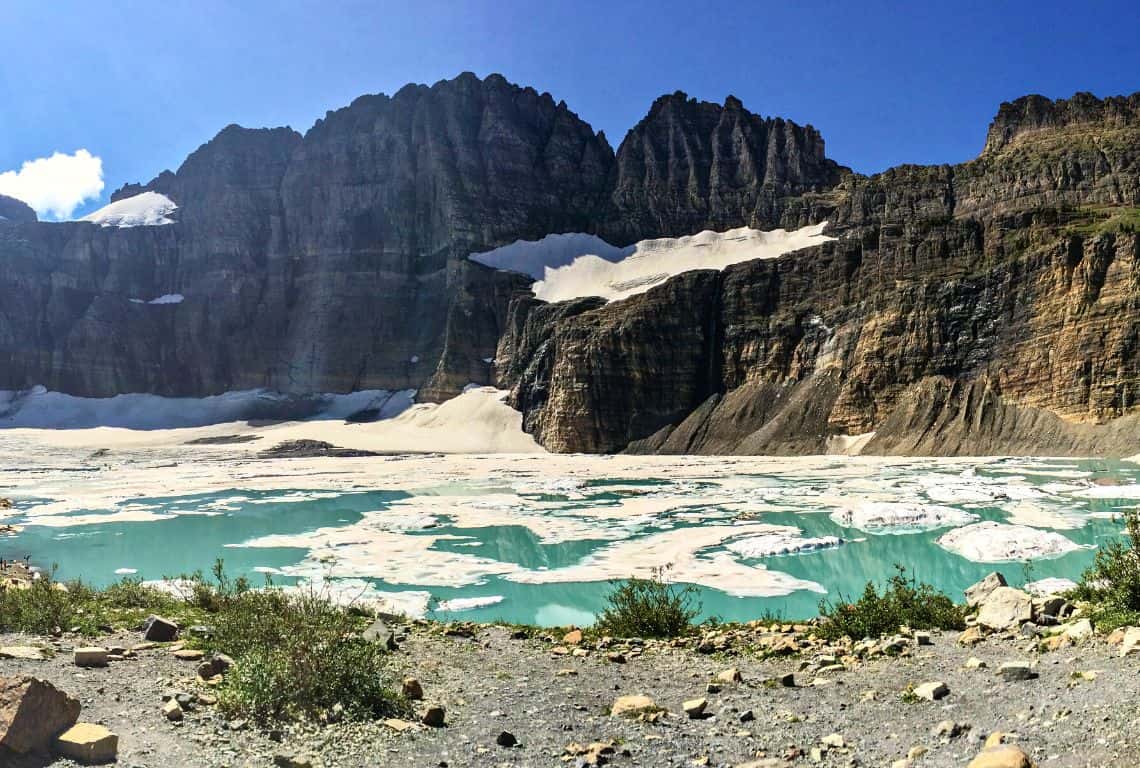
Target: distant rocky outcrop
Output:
[(13, 211)]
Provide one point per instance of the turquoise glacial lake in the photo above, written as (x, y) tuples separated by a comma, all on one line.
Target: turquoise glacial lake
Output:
[(521, 540)]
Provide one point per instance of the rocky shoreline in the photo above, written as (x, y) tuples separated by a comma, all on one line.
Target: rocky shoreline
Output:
[(1046, 689)]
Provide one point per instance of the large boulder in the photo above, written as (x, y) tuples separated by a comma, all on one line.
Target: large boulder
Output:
[(977, 593), (1005, 608), (33, 712)]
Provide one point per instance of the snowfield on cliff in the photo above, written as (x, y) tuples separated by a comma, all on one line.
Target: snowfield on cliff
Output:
[(150, 209), (570, 266)]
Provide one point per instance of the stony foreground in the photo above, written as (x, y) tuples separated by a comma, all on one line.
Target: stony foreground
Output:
[(554, 697)]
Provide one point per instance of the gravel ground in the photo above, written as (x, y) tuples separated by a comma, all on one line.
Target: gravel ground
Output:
[(491, 682)]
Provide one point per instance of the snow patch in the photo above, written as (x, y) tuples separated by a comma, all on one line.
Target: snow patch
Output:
[(40, 408), (535, 257), (899, 516), (149, 209), (573, 265), (990, 542)]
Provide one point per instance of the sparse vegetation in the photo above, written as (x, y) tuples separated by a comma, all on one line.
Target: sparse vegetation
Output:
[(47, 606), (298, 654), (649, 608), (1092, 221), (1111, 585), (904, 602)]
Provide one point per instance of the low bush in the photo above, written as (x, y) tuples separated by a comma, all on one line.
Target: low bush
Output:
[(1111, 585), (299, 656), (45, 605), (649, 608), (904, 602)]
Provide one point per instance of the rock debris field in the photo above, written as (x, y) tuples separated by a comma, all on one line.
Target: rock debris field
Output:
[(1016, 688)]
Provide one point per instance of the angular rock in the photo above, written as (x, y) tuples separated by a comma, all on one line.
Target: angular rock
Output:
[(88, 743), (631, 705), (506, 739), (573, 637), (1012, 671), (172, 710), (90, 657), (695, 708), (33, 712), (932, 691), (1005, 608), (730, 676), (978, 592), (433, 717), (160, 630)]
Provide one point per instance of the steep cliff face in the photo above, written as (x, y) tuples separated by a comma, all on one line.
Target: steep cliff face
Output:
[(329, 262), (989, 306), (1020, 269)]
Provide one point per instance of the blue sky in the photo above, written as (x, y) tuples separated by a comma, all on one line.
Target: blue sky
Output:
[(139, 85)]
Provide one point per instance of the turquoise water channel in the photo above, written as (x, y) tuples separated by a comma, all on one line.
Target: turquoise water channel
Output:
[(194, 530)]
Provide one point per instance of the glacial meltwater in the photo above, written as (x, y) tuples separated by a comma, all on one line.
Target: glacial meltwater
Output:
[(539, 538)]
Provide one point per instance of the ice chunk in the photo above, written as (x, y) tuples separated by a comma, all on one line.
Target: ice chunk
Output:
[(899, 517), (990, 542)]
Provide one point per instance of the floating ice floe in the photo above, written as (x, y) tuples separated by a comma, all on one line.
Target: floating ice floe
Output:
[(771, 544), (458, 604), (149, 209), (1039, 516), (166, 298), (573, 265), (1049, 586), (899, 517), (990, 542)]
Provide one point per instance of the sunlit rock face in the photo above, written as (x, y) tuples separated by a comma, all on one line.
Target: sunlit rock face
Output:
[(983, 307), (988, 307)]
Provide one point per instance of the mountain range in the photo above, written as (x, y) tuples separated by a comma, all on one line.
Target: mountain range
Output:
[(989, 307)]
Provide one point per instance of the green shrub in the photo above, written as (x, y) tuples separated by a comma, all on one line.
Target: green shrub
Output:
[(649, 608), (298, 656), (904, 602), (1111, 585)]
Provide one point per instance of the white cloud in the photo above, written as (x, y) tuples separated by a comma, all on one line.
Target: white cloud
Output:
[(55, 186)]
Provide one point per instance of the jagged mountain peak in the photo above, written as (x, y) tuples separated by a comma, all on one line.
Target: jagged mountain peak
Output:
[(1034, 112)]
